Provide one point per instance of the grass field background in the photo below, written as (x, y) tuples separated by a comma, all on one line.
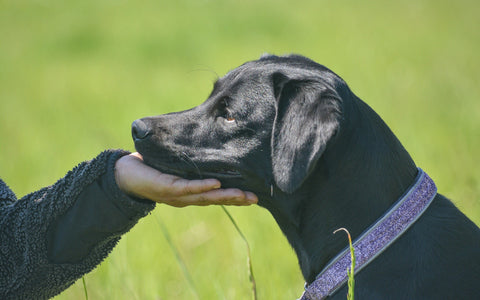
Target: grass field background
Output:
[(75, 74)]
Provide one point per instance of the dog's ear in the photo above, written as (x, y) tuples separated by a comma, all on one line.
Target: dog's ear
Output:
[(308, 115)]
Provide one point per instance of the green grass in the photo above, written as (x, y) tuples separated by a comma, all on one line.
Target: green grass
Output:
[(251, 275), (350, 271), (75, 74), (85, 287)]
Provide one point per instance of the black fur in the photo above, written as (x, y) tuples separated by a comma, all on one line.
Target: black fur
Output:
[(293, 124)]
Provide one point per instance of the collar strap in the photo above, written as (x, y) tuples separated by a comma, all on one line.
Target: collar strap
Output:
[(376, 239)]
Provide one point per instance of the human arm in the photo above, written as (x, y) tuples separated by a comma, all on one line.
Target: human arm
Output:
[(50, 238)]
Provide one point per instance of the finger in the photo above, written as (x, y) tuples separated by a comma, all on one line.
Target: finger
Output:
[(215, 197), (171, 185)]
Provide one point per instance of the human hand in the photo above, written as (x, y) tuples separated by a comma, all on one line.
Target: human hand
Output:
[(137, 179)]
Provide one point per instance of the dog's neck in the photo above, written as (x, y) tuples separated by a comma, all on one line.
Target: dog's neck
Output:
[(360, 176)]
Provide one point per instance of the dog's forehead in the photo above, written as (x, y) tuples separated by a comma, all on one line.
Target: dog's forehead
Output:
[(244, 79), (293, 66), (248, 72)]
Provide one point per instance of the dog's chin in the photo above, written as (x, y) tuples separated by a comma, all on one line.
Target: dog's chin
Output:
[(190, 172)]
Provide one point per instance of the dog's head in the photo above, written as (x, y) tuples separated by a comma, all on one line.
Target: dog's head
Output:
[(266, 122)]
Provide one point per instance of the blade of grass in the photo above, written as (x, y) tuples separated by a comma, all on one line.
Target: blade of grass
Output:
[(178, 257), (351, 271), (249, 258), (85, 288)]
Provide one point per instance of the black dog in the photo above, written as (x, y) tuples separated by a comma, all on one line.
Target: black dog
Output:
[(291, 131)]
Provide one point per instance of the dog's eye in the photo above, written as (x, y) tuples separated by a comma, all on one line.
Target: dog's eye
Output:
[(230, 120), (224, 112), (227, 117)]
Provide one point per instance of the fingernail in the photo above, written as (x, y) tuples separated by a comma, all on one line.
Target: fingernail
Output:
[(215, 183), (252, 198)]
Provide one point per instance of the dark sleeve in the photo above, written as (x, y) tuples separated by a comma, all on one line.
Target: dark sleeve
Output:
[(52, 237)]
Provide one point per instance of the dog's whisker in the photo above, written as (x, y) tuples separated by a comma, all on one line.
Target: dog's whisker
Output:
[(248, 129), (184, 156)]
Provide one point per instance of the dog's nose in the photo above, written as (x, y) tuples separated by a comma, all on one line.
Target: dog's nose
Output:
[(140, 130)]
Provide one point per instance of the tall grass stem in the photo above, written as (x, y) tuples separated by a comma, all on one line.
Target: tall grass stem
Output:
[(178, 257), (85, 287), (249, 257), (351, 271)]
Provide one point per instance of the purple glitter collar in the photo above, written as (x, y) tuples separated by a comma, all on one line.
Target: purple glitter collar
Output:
[(376, 239)]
